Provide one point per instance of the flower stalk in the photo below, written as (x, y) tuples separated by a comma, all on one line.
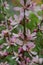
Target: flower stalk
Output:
[(24, 21)]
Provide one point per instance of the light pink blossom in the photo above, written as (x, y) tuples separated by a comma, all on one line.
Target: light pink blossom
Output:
[(3, 53), (21, 9), (30, 36), (28, 59), (13, 22), (30, 45), (6, 5)]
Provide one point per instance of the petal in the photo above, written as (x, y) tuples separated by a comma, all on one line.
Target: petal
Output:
[(17, 59), (30, 45), (40, 60), (28, 32), (22, 2), (16, 8), (13, 57), (14, 23), (28, 2), (6, 5), (33, 38), (32, 6), (26, 13), (21, 13), (20, 50), (16, 17), (21, 16), (15, 35), (33, 53), (28, 59), (35, 59), (19, 42), (15, 26), (24, 47), (33, 34), (10, 19)]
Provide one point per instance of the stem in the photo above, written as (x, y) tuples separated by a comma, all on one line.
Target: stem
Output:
[(24, 20), (7, 28)]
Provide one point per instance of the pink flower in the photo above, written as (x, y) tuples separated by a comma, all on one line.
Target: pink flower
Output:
[(15, 40), (2, 53), (20, 55), (30, 36), (5, 33), (30, 45), (27, 2), (19, 42), (18, 18), (6, 5), (27, 59), (35, 30), (21, 34), (24, 47), (21, 9), (20, 50), (1, 46), (28, 6), (40, 60), (5, 53), (32, 6), (23, 63), (35, 59), (10, 19), (13, 22)]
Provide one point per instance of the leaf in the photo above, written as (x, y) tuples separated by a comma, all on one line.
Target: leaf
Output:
[(2, 41), (2, 28), (33, 23), (1, 17)]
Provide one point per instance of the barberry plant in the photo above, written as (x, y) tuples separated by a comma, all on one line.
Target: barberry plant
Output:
[(21, 35)]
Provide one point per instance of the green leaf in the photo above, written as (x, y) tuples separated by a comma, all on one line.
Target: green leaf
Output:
[(2, 28), (33, 23), (2, 41), (1, 17)]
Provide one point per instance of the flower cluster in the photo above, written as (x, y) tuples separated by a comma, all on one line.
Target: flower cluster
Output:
[(24, 38)]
